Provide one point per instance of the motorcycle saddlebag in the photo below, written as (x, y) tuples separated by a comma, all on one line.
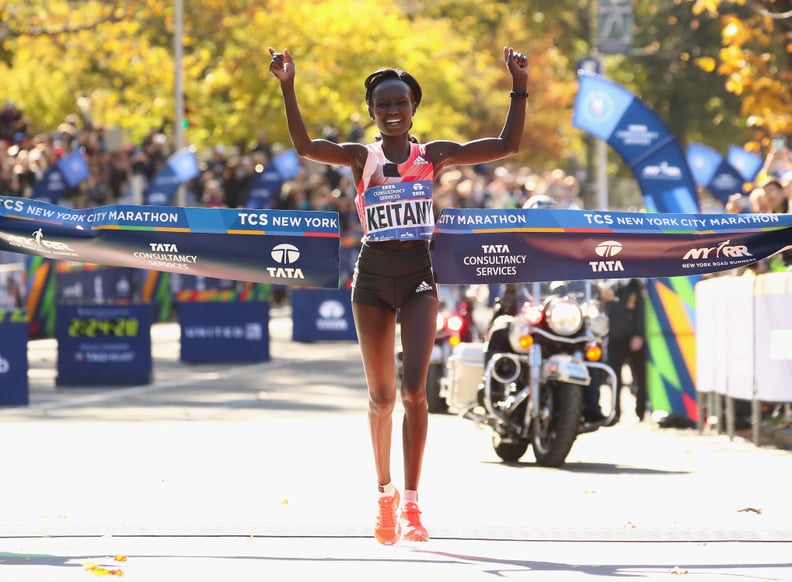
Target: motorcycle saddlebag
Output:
[(465, 369)]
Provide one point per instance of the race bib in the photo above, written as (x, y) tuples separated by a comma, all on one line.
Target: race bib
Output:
[(399, 211)]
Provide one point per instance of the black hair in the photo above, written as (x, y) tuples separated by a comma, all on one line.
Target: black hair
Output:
[(381, 75)]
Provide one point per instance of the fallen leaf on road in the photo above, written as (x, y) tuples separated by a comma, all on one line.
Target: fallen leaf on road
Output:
[(98, 570), (678, 571), (750, 510)]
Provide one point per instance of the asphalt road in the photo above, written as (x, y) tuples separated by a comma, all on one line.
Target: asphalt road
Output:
[(264, 472)]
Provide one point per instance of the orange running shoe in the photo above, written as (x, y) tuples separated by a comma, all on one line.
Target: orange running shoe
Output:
[(387, 522), (412, 530)]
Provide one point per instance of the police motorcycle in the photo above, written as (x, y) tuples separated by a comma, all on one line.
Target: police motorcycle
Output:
[(455, 325), (526, 381)]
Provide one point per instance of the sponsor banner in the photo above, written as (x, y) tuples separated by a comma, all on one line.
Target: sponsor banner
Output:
[(319, 315), (13, 357), (517, 245), (263, 246), (102, 345), (233, 331)]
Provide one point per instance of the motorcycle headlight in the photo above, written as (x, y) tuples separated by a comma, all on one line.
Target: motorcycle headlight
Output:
[(564, 316), (599, 325)]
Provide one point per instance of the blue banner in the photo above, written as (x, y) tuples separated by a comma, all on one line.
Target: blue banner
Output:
[(320, 315), (181, 167), (712, 171), (104, 345), (264, 246), (610, 112), (473, 246), (224, 331)]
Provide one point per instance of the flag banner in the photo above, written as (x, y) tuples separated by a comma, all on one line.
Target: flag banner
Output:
[(712, 171), (474, 246), (261, 246), (610, 112), (51, 186), (74, 168), (181, 167), (745, 162)]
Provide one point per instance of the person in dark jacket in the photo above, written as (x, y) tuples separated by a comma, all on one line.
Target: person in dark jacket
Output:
[(625, 307)]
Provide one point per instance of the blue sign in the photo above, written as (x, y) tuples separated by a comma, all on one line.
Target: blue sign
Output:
[(322, 315), (224, 331), (13, 358), (104, 345)]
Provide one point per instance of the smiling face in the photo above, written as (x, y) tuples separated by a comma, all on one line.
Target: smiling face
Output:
[(392, 106)]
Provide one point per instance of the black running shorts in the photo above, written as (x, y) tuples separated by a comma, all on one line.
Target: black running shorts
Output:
[(389, 277)]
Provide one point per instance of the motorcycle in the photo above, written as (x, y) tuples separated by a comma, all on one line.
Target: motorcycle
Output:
[(455, 325), (526, 381)]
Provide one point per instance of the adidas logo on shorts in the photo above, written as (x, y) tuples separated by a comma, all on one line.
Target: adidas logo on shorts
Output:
[(423, 287)]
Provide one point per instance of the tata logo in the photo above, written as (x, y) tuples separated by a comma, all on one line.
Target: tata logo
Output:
[(724, 249), (608, 248), (285, 254)]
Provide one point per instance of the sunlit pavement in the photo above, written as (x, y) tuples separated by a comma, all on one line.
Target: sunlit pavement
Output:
[(263, 472)]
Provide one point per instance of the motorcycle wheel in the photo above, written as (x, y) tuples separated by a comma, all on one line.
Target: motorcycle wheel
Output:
[(552, 438), (436, 404), (509, 450)]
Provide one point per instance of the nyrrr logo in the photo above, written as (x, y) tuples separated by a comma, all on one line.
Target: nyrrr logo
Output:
[(724, 249), (285, 254)]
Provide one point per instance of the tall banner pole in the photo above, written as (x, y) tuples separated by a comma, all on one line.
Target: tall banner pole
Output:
[(178, 86)]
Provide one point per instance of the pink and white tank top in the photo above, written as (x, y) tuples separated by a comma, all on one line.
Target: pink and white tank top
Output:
[(394, 201)]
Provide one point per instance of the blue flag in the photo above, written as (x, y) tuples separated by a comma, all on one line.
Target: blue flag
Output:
[(51, 187), (713, 172), (746, 163), (287, 163), (74, 168), (264, 186), (181, 167)]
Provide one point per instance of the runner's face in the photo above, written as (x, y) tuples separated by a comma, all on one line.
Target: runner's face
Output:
[(392, 107)]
